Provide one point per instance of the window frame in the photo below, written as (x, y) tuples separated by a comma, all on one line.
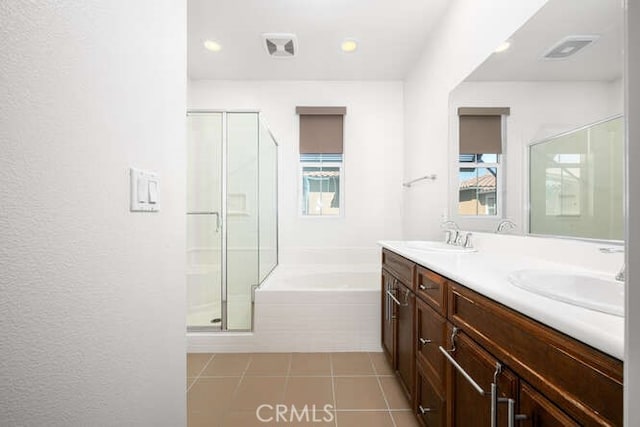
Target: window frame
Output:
[(498, 166), (301, 201)]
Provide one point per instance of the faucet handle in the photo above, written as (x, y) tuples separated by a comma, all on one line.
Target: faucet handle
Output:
[(467, 240)]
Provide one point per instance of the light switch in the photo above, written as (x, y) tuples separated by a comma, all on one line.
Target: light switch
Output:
[(153, 191), (143, 193), (144, 190)]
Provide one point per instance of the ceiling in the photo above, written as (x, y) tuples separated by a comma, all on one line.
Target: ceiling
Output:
[(602, 60), (390, 35)]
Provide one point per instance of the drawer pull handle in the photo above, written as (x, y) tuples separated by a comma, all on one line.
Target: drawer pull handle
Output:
[(425, 410), (393, 297), (427, 288), (513, 418), (464, 373), (424, 341)]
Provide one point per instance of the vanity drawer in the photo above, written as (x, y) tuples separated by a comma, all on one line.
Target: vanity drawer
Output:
[(432, 288), (431, 332), (400, 267), (584, 382)]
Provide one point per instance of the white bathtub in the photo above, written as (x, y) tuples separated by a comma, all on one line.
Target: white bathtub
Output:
[(309, 308)]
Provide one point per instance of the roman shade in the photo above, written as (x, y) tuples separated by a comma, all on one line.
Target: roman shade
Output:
[(321, 129), (481, 129)]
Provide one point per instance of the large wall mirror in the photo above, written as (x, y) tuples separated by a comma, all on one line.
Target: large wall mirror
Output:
[(558, 169)]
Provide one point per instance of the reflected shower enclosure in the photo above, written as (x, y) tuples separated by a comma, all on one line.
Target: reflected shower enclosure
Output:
[(231, 216)]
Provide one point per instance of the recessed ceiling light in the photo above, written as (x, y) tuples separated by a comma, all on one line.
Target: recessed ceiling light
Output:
[(349, 45), (212, 46), (504, 46)]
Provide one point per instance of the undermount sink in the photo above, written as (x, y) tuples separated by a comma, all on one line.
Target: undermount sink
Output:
[(435, 246), (580, 289)]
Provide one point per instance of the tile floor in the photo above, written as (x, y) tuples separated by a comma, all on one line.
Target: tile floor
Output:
[(359, 389)]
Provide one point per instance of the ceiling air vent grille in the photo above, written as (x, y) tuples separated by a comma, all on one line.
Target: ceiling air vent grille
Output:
[(569, 46), (280, 45)]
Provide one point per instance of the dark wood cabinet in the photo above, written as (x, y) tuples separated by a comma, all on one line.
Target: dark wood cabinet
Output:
[(543, 377), (398, 311), (430, 400), (540, 412), (388, 326), (405, 352)]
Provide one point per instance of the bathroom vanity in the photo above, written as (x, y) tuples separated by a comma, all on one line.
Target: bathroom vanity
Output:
[(465, 359)]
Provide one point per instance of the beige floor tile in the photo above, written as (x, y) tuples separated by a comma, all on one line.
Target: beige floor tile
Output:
[(229, 364), (381, 364), (394, 393), (351, 364), (320, 418), (256, 391), (195, 363), (205, 419), (358, 393), (246, 419), (364, 419), (301, 391), (405, 419), (303, 364), (211, 393), (269, 364)]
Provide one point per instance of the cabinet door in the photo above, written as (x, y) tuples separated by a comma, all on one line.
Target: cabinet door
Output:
[(431, 333), (468, 406), (405, 342), (430, 402), (539, 411), (388, 318)]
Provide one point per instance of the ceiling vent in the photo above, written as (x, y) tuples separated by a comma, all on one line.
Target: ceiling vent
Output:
[(280, 45), (569, 46)]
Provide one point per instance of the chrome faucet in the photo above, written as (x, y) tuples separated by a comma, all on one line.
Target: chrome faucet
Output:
[(449, 228), (506, 226), (467, 241)]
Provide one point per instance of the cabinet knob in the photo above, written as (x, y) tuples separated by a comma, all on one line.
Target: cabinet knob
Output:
[(424, 410), (424, 341)]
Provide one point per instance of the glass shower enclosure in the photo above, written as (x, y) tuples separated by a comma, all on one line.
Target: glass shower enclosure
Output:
[(232, 221)]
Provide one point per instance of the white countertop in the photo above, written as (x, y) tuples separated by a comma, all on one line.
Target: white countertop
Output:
[(486, 273)]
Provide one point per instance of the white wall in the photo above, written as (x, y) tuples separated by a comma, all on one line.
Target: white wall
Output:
[(632, 318), (372, 165), (468, 34), (91, 296), (538, 110)]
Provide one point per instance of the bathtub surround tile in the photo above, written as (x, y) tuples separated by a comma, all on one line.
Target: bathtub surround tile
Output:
[(309, 364), (394, 393), (227, 364), (364, 418), (351, 364), (195, 363), (269, 364), (358, 393)]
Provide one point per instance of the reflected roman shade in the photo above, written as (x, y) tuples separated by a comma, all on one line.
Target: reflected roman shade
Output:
[(321, 129), (481, 129)]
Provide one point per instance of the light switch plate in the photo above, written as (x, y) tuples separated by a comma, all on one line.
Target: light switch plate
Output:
[(142, 199)]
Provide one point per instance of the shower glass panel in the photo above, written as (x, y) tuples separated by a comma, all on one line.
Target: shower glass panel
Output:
[(268, 191), (242, 217), (576, 183), (232, 217), (204, 210)]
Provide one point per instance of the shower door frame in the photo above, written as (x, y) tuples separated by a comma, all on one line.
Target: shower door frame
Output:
[(223, 221)]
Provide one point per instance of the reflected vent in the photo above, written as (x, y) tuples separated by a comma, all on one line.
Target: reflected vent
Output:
[(280, 45), (569, 46)]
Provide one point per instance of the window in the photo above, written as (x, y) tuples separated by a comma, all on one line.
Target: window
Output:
[(321, 184), (321, 146), (480, 166)]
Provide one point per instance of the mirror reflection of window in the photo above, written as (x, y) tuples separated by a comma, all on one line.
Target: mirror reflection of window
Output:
[(477, 189)]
